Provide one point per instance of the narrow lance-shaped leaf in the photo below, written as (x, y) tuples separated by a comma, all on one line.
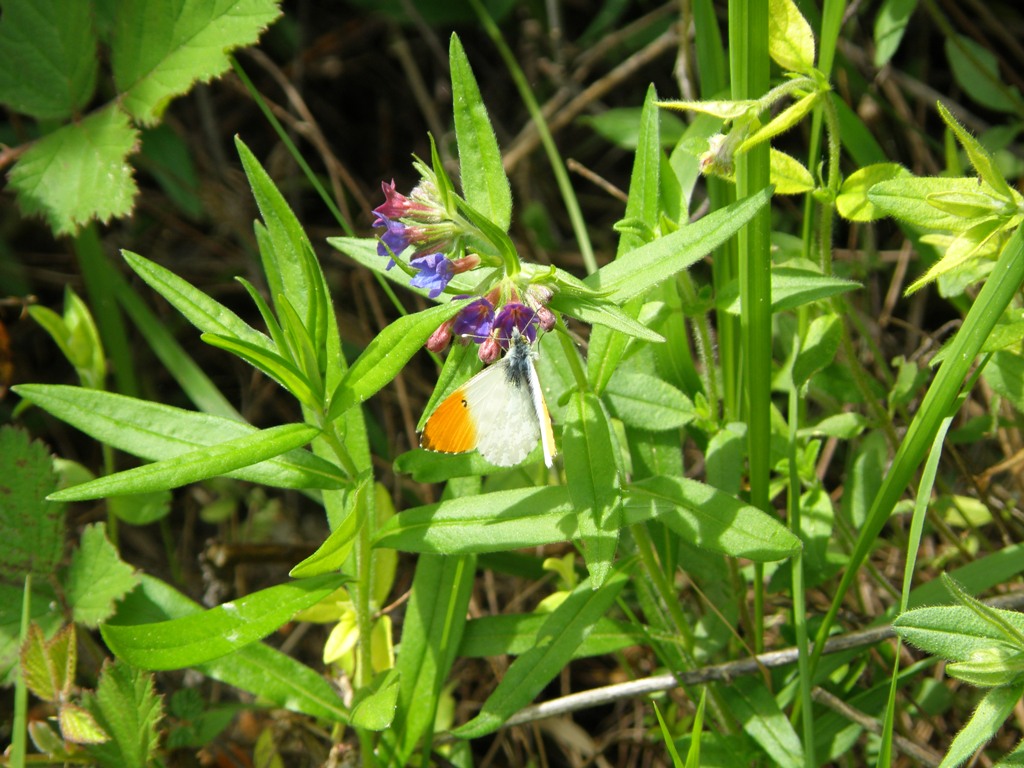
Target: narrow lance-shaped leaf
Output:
[(563, 632), (387, 354), (153, 431), (202, 637), (484, 183), (651, 264), (212, 461)]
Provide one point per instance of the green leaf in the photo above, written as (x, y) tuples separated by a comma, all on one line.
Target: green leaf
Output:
[(988, 717), (561, 634), (976, 69), (387, 354), (48, 666), (516, 633), (162, 47), (47, 57), (792, 287), (201, 464), (205, 313), (202, 637), (484, 183), (265, 672), (373, 707), (755, 707), (33, 539), (818, 348), (524, 517), (592, 476), (789, 175), (647, 402), (603, 313), (969, 244), (918, 200), (712, 519), (649, 265), (956, 632), (127, 709), (78, 726), (980, 157), (332, 554), (890, 26), (97, 578), (853, 203), (154, 431), (726, 110), (291, 267), (790, 40), (79, 172), (295, 381), (431, 639)]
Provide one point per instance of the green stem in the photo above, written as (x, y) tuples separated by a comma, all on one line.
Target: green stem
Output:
[(799, 597), (750, 66), (19, 728)]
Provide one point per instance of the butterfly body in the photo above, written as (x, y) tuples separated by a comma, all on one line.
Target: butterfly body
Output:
[(500, 412)]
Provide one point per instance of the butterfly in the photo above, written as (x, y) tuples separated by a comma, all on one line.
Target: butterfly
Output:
[(500, 412)]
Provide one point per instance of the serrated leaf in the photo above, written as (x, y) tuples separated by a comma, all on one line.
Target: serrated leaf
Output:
[(97, 578), (790, 40), (484, 183), (48, 666), (127, 708), (202, 637), (47, 57), (79, 173), (154, 431), (78, 726), (201, 464), (162, 47), (33, 539)]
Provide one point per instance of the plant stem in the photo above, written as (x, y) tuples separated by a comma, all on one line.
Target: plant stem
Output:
[(749, 64)]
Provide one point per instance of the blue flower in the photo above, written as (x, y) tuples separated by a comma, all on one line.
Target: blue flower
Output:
[(518, 316), (396, 237), (434, 273), (475, 320)]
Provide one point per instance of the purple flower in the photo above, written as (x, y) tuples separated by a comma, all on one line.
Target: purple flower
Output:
[(518, 316), (434, 273), (475, 320), (396, 237)]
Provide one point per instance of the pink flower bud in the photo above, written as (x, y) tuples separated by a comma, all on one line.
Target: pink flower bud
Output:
[(490, 350), (439, 339)]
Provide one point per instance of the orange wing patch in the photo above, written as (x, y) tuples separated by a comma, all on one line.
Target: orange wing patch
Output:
[(450, 428)]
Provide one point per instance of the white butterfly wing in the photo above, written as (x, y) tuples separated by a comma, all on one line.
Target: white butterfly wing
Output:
[(507, 424)]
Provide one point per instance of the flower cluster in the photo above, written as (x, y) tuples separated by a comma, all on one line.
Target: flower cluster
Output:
[(437, 236)]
